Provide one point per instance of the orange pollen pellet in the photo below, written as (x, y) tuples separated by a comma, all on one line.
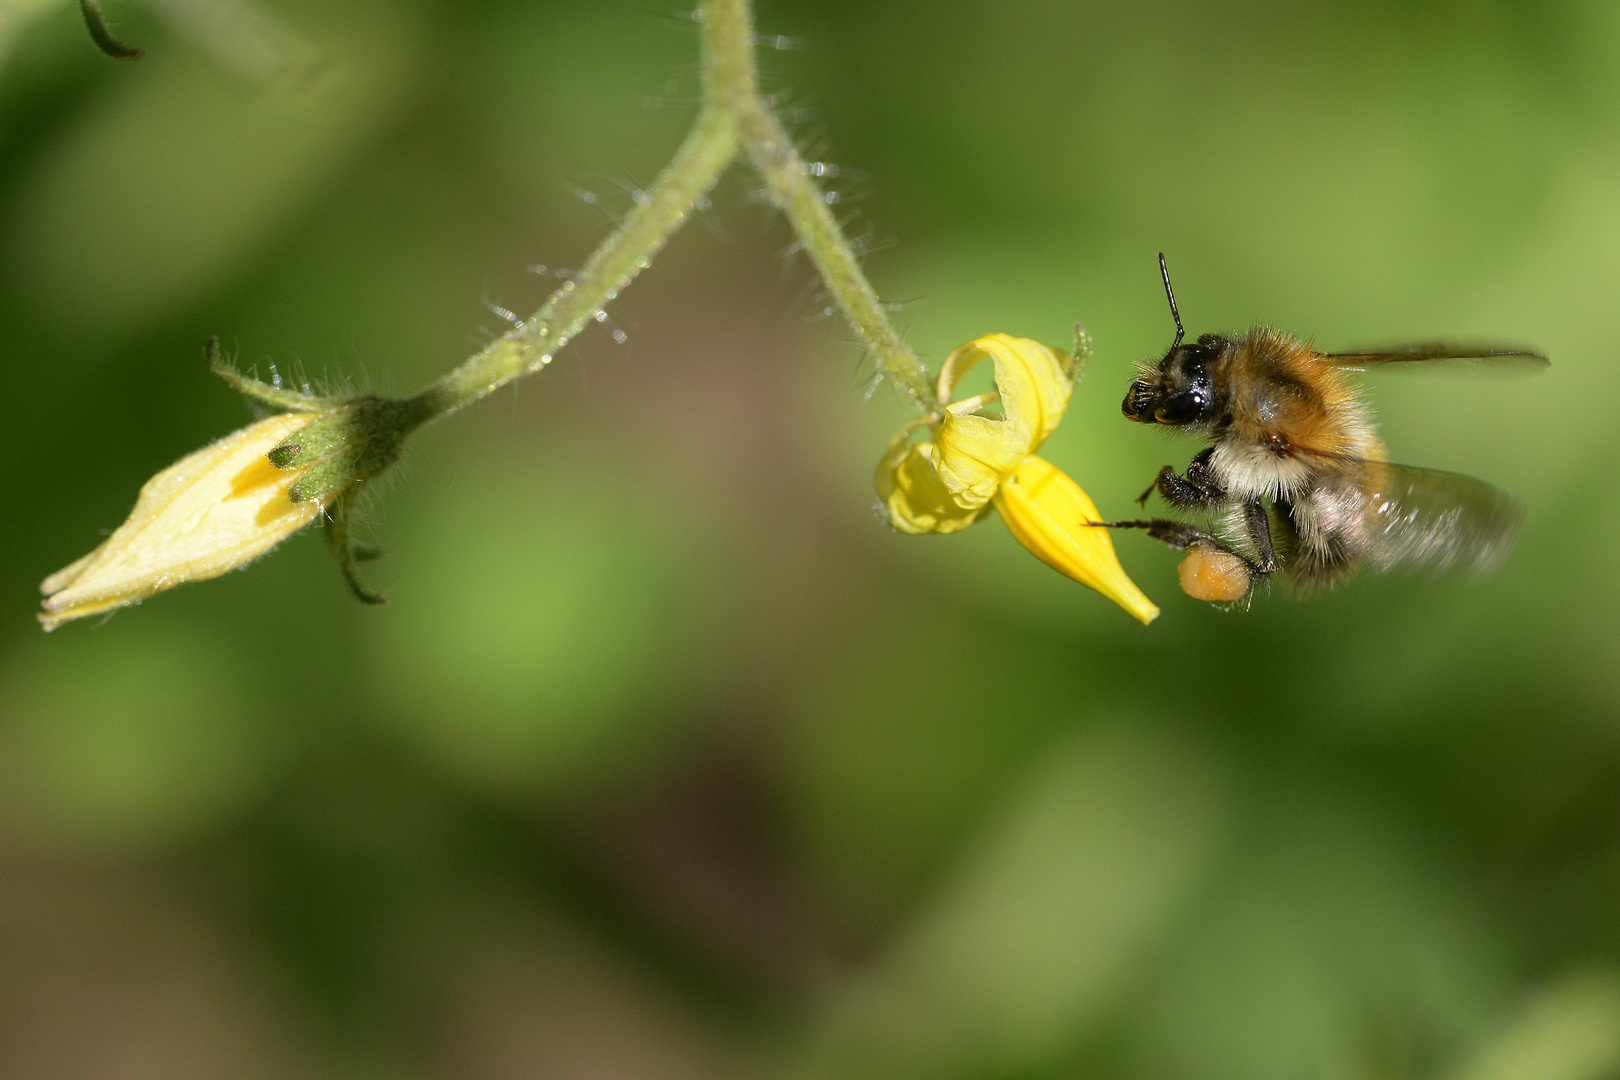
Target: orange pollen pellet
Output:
[(1217, 576)]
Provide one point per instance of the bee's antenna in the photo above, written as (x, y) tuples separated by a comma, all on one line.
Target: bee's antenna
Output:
[(1174, 314)]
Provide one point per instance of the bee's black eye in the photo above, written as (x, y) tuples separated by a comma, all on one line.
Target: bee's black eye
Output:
[(1179, 408)]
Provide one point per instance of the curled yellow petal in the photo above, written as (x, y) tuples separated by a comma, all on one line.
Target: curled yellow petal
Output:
[(946, 485), (1033, 380), (974, 454), (1047, 512), (209, 512), (917, 497)]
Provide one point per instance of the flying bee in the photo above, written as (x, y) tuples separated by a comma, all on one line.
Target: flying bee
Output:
[(1295, 478)]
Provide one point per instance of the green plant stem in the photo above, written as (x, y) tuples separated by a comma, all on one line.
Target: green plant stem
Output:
[(771, 151), (734, 117), (709, 148)]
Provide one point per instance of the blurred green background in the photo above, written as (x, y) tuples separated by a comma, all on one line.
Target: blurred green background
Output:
[(666, 760)]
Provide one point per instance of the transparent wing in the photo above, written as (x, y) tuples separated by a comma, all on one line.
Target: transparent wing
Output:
[(1437, 521), (1463, 354)]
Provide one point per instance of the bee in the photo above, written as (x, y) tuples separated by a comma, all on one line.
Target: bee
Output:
[(1294, 477)]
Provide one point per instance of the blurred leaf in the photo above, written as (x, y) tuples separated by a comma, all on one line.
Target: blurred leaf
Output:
[(539, 623), (15, 15), (1331, 949), (572, 98), (159, 191), (131, 739), (1049, 919), (930, 716), (1567, 1031)]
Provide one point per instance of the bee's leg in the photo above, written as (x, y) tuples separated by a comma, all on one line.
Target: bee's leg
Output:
[(1197, 490), (1199, 476), (1181, 536), (1184, 493), (1259, 526), (1174, 534), (1141, 500)]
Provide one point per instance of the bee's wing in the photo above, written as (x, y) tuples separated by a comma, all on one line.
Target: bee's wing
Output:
[(1476, 354), (1438, 521)]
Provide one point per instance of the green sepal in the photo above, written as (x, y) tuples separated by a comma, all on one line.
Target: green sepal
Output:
[(323, 480), (347, 444), (350, 552), (1075, 369), (96, 23), (259, 391)]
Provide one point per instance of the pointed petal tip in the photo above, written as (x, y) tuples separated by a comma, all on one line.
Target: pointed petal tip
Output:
[(1140, 607), (1048, 512)]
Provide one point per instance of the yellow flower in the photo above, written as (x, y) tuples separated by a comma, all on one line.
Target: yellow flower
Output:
[(977, 462), (209, 512)]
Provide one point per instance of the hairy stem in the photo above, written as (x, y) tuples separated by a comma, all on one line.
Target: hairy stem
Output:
[(771, 151), (734, 117), (708, 150)]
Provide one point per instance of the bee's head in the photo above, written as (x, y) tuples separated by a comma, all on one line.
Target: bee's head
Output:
[(1178, 390)]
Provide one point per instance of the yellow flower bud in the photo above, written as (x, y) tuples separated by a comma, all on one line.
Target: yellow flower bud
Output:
[(1047, 513), (209, 512)]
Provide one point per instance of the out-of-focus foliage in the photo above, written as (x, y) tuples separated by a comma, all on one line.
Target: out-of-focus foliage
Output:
[(666, 760)]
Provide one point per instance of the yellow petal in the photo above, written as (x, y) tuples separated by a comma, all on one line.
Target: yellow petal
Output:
[(947, 485), (1046, 512), (1032, 379), (918, 500), (209, 512)]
